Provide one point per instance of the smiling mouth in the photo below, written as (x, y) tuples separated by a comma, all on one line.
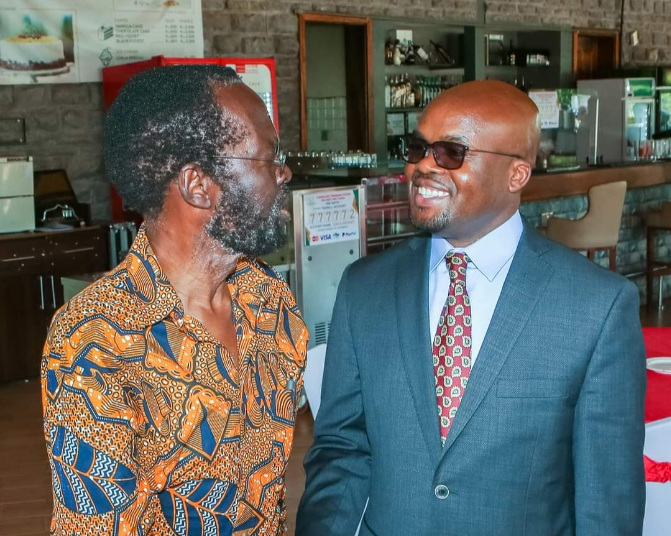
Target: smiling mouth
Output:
[(429, 193)]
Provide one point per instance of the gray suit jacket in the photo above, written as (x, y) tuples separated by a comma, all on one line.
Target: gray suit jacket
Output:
[(549, 436)]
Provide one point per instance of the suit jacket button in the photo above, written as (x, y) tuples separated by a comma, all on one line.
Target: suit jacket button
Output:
[(441, 491)]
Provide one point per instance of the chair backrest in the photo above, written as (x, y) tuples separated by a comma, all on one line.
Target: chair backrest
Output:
[(312, 377), (606, 203), (658, 495), (600, 227)]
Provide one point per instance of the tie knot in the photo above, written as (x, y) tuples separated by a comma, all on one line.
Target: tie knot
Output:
[(456, 263)]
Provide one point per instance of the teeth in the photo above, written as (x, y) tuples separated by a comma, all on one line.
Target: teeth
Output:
[(429, 193)]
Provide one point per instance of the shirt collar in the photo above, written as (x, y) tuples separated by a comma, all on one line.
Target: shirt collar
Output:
[(490, 253), (141, 275)]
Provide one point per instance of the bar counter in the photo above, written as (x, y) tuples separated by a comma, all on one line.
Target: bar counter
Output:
[(553, 184)]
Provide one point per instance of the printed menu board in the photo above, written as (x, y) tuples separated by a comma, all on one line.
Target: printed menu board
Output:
[(70, 41)]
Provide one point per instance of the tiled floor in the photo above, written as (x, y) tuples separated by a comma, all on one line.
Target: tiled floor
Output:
[(25, 482)]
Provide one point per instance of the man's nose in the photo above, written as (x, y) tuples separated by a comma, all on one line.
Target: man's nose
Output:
[(428, 165), (284, 176)]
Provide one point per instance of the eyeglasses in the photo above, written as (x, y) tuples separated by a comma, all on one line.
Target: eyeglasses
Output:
[(447, 154), (279, 160)]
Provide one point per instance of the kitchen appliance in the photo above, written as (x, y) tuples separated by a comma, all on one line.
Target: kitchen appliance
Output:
[(627, 119), (56, 205), (257, 73), (17, 207)]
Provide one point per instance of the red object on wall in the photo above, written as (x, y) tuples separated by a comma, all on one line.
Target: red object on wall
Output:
[(258, 73)]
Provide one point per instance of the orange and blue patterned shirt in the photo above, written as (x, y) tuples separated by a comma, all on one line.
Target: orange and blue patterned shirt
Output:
[(152, 427)]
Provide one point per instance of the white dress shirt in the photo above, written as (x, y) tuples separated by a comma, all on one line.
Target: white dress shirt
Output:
[(490, 259)]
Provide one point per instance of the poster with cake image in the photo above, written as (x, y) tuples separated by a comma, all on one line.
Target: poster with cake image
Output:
[(72, 41), (37, 44)]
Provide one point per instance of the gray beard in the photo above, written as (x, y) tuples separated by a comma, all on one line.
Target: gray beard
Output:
[(239, 227)]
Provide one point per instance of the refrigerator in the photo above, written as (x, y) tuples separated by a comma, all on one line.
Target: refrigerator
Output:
[(663, 99), (17, 201), (258, 73), (627, 118)]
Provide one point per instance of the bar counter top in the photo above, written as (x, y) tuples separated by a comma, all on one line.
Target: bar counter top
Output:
[(551, 184), (544, 184)]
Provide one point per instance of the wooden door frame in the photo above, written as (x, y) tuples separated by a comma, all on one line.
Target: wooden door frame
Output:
[(303, 19), (577, 32)]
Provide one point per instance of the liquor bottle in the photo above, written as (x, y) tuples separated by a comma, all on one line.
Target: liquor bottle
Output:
[(511, 54), (421, 54), (410, 56), (394, 92), (387, 93), (443, 54), (388, 52), (523, 87), (417, 90), (397, 57), (409, 95)]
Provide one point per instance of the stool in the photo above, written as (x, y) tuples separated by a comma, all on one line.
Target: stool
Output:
[(597, 230), (657, 221)]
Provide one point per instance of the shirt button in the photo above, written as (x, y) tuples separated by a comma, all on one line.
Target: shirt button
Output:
[(441, 491)]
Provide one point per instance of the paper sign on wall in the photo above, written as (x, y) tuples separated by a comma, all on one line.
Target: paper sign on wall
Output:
[(70, 41), (331, 216), (548, 106)]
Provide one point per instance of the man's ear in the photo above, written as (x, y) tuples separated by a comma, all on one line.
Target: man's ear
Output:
[(197, 189), (521, 173)]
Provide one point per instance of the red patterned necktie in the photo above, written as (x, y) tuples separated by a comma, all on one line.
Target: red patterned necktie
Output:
[(452, 345)]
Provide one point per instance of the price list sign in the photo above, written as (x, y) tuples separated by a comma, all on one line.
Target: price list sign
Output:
[(548, 106), (70, 41), (331, 216)]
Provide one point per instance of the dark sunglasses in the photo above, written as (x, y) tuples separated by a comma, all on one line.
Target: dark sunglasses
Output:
[(447, 154)]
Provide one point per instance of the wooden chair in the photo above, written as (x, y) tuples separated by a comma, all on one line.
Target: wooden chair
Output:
[(597, 230), (656, 222)]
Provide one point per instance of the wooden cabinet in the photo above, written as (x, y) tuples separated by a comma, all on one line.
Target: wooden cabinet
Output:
[(31, 267)]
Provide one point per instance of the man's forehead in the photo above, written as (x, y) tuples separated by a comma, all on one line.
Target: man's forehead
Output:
[(458, 127)]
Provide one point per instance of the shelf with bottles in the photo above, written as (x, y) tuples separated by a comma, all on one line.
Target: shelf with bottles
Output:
[(415, 92)]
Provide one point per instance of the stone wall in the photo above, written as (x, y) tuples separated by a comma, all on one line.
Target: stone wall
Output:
[(64, 122)]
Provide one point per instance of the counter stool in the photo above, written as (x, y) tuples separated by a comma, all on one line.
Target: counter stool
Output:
[(597, 230), (656, 221)]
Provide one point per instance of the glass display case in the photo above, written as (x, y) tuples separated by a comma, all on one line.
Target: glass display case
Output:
[(387, 213)]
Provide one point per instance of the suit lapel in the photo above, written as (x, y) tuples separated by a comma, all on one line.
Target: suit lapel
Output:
[(527, 278), (412, 317)]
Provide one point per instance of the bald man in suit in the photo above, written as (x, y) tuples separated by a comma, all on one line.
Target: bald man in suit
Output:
[(479, 379)]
